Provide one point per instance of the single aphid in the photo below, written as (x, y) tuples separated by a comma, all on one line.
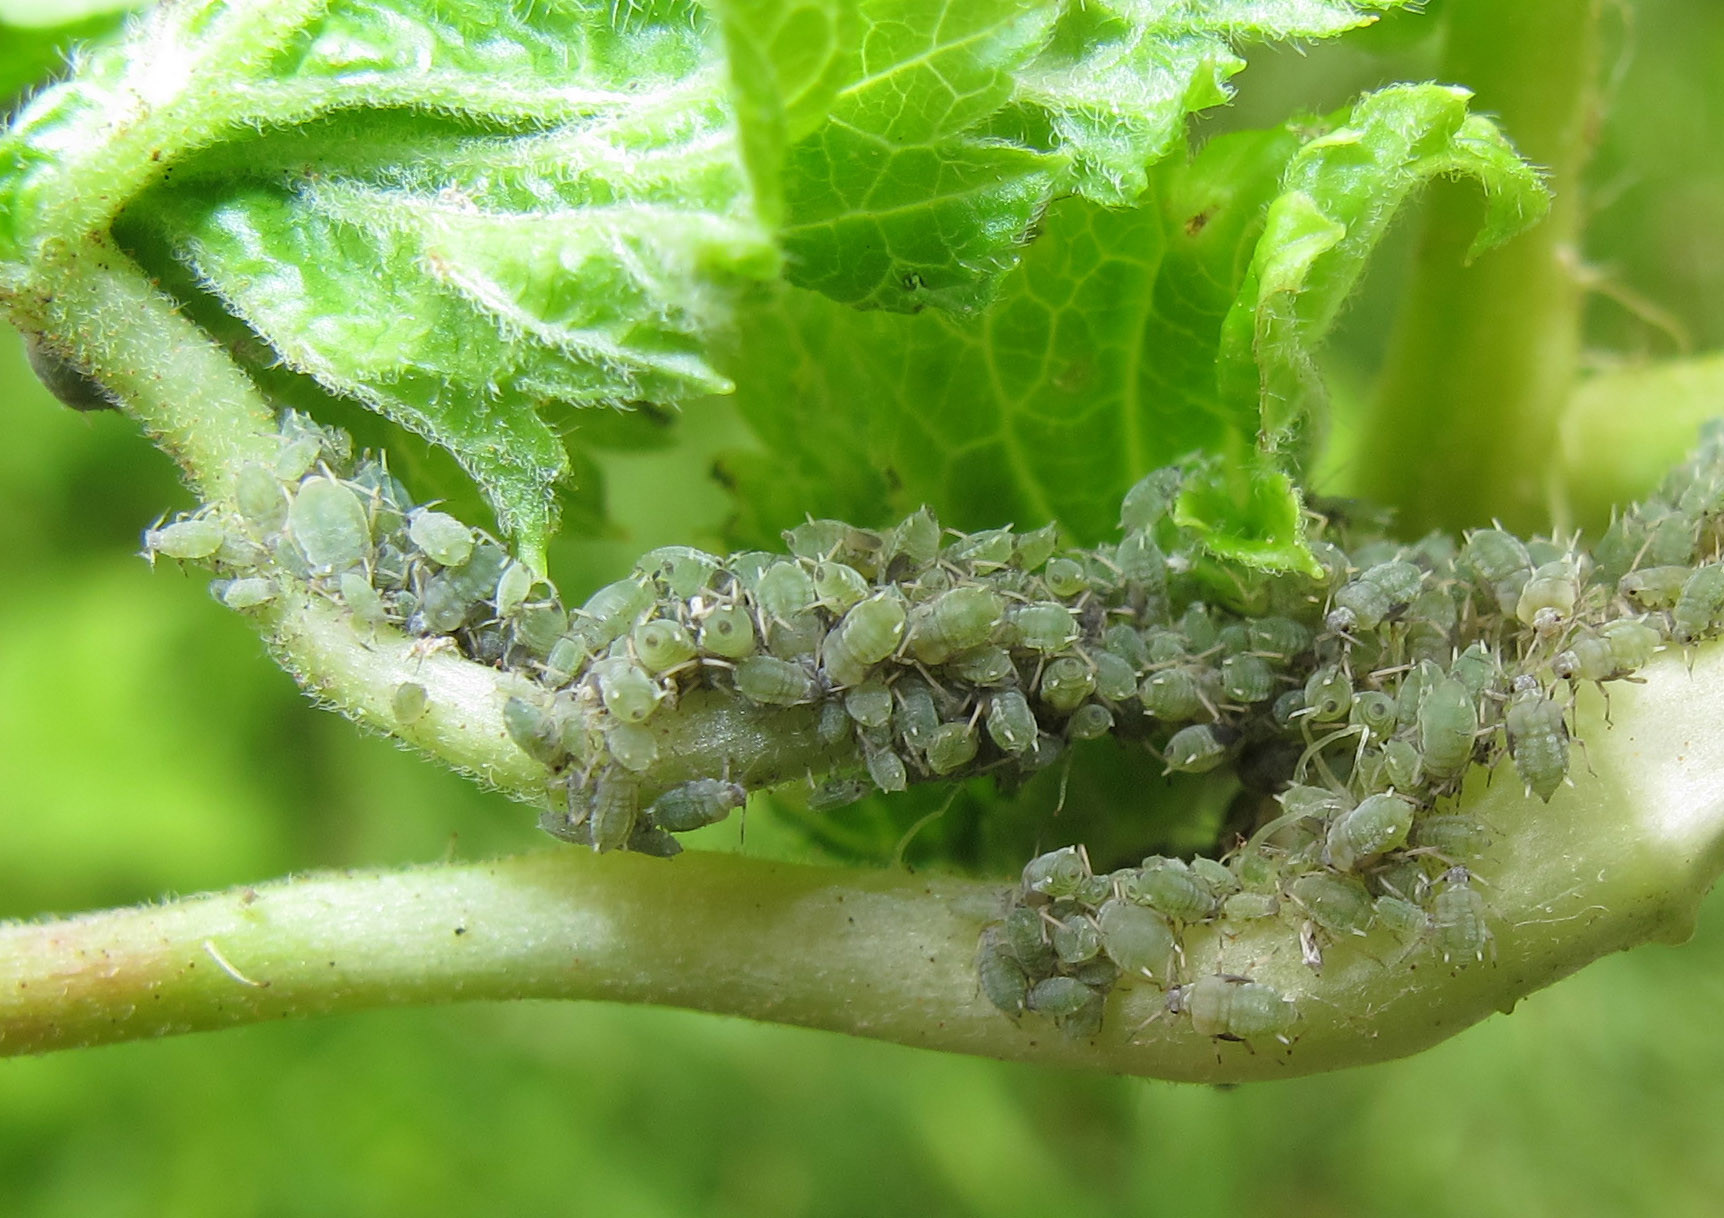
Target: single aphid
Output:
[(1448, 721), (1141, 563), (1499, 562), (1340, 905), (1173, 695), (955, 621), (1058, 873), (1477, 668), (616, 803), (442, 538), (887, 769), (1011, 722), (1549, 596), (250, 592), (534, 732), (1075, 939), (952, 747), (1169, 887), (1538, 742), (628, 691), (1136, 938), (1090, 721), (838, 586), (1378, 824), (1001, 976), (913, 545), (1026, 933), (796, 637), (1234, 1008), (1065, 578), (983, 666), (1454, 838), (192, 539), (870, 703), (1248, 906), (260, 497), (328, 524), (662, 644), (989, 550), (773, 682), (1059, 996), (1700, 603), (1403, 765), (704, 801), (1030, 550), (868, 633), (1458, 924), (1652, 588), (1196, 749), (1329, 694), (1375, 712), (632, 746), (1149, 498), (409, 702), (1115, 678), (681, 571), (1402, 918), (1066, 682), (1247, 679), (837, 791), (917, 717), (785, 589), (727, 631), (1278, 637)]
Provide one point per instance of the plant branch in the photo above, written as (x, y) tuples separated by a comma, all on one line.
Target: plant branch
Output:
[(1484, 356), (1621, 858)]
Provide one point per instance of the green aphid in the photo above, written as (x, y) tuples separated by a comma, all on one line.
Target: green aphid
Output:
[(296, 458), (887, 770), (1337, 568), (1059, 996), (1141, 562), (260, 497), (442, 609), (869, 703), (1288, 708), (1458, 839), (727, 631), (1218, 876), (1403, 919), (250, 592), (662, 644), (1700, 603), (796, 637), (817, 540), (1375, 712), (1026, 933), (1378, 824), (1448, 720), (476, 579), (1030, 550), (1043, 627), (784, 590), (191, 539), (1249, 906), (1458, 923), (1136, 938), (913, 545), (1399, 580), (704, 801), (1329, 694), (1247, 678), (628, 691), (952, 747), (1431, 622), (632, 746), (1278, 637), (1064, 578), (917, 717), (1173, 695), (987, 551), (616, 804), (409, 702), (838, 791), (1632, 643), (1066, 682), (838, 586), (1058, 873), (538, 627), (1403, 765), (1234, 1008), (1338, 904), (1090, 721), (1477, 668), (681, 571), (983, 666), (1653, 588), (1157, 646), (868, 633), (957, 620), (1538, 742), (1169, 887), (1410, 695), (1547, 600), (613, 610), (440, 537), (1499, 563), (773, 682), (1149, 499), (1115, 678), (1000, 975), (1199, 628), (1359, 606), (1233, 638), (534, 732), (1075, 939), (1196, 749), (1011, 722)]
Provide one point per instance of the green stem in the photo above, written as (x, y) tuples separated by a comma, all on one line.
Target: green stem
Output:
[(1622, 857), (1484, 356)]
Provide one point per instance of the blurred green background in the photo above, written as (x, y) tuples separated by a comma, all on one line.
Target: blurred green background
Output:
[(148, 747)]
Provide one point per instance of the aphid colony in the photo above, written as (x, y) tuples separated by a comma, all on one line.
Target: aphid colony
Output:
[(1358, 697)]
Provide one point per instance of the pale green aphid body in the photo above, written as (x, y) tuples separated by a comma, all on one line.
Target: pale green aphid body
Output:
[(773, 682), (1234, 1008), (443, 539), (663, 645), (328, 524), (727, 631)]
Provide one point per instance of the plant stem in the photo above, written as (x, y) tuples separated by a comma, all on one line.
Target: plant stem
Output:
[(1622, 857), (1483, 358)]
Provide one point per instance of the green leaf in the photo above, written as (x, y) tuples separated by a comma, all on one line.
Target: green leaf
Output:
[(1125, 339), (453, 212), (37, 38), (963, 122)]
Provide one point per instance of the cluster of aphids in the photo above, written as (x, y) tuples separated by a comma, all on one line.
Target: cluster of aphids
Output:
[(1359, 696)]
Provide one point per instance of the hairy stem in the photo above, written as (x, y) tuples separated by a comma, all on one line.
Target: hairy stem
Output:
[(1622, 857), (1484, 356)]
